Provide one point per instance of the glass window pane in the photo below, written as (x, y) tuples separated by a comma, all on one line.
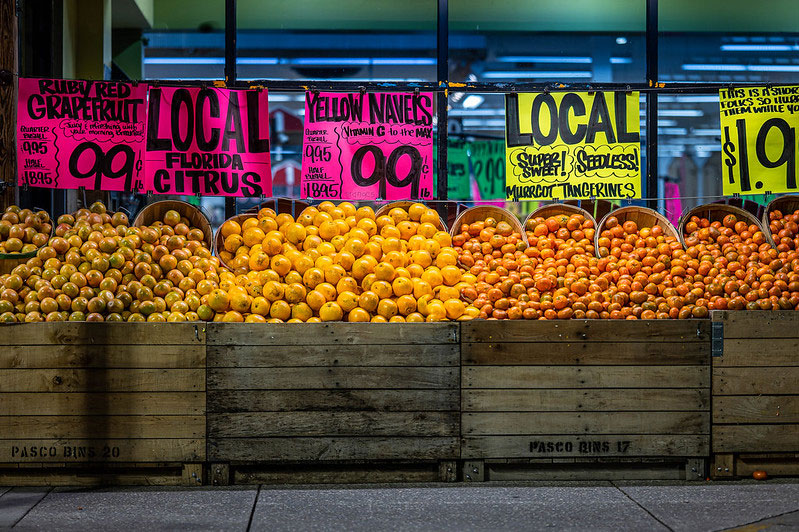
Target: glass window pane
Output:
[(535, 41), (729, 41)]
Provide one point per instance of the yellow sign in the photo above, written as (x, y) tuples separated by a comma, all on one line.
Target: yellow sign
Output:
[(758, 139), (572, 145)]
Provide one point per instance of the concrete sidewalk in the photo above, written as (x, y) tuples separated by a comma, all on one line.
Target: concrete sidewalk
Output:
[(772, 505)]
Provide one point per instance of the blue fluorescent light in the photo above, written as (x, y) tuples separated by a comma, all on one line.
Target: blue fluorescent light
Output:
[(728, 68), (543, 74), (329, 61), (403, 61), (758, 47), (620, 60), (680, 112), (184, 60), (543, 59), (257, 60), (743, 68), (773, 68)]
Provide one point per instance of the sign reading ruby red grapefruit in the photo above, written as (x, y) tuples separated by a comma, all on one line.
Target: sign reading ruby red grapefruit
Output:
[(208, 141), (364, 146), (73, 134)]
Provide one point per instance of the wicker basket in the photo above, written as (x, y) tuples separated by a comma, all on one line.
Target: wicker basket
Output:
[(785, 204), (554, 209), (482, 212), (219, 241), (155, 213), (385, 209), (715, 212), (642, 216), (9, 261)]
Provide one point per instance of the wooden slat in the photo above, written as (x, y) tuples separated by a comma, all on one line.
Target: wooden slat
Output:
[(601, 470), (751, 352), (331, 378), (256, 356), (586, 330), (585, 400), (102, 356), (101, 333), (267, 424), (588, 423), (111, 380), (747, 324), (339, 333), (755, 380), (775, 465), (339, 448), (756, 409), (585, 376), (759, 438), (128, 450), (101, 476), (332, 400), (101, 403), (64, 427), (584, 446), (313, 473), (586, 353)]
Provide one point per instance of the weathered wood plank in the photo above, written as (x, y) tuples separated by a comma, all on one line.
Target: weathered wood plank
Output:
[(338, 448), (751, 352), (586, 330), (331, 378), (584, 446), (101, 403), (333, 400), (747, 324), (369, 473), (101, 476), (756, 409), (268, 424), (755, 380), (588, 423), (111, 380), (612, 400), (102, 450), (102, 356), (339, 333), (256, 356), (67, 427), (604, 470), (586, 353), (759, 438), (102, 333), (775, 465), (585, 376)]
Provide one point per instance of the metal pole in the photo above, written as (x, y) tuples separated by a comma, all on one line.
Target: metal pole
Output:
[(652, 101), (230, 72), (442, 47)]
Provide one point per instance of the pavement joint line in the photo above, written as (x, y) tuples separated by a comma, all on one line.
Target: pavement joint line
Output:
[(254, 504), (746, 526), (641, 506), (49, 491)]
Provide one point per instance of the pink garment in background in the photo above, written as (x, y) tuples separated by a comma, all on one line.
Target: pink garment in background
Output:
[(478, 201), (671, 191)]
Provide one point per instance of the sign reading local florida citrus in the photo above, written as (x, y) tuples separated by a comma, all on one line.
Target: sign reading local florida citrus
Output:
[(572, 145), (759, 139)]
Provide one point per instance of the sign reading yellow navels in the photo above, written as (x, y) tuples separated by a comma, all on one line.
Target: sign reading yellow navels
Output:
[(759, 139), (572, 145)]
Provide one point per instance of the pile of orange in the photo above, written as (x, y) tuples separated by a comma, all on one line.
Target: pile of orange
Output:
[(97, 268), (336, 262), (23, 231), (784, 229)]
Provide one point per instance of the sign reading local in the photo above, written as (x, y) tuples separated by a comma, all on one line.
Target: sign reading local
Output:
[(73, 134), (363, 146), (572, 145), (208, 141), (759, 139)]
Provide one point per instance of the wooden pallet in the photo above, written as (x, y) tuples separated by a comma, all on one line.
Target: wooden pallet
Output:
[(755, 393), (598, 391), (86, 400), (327, 395)]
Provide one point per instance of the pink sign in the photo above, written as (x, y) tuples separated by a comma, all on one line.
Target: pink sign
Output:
[(208, 141), (73, 134), (365, 146)]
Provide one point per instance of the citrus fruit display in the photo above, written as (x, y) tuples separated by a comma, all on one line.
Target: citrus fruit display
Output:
[(23, 231), (784, 229), (338, 262), (98, 268)]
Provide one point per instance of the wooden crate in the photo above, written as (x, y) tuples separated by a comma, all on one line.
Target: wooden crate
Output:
[(333, 402), (755, 393), (93, 403), (585, 399)]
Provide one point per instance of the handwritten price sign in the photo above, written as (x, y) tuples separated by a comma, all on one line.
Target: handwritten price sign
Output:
[(759, 139), (74, 134), (368, 146)]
